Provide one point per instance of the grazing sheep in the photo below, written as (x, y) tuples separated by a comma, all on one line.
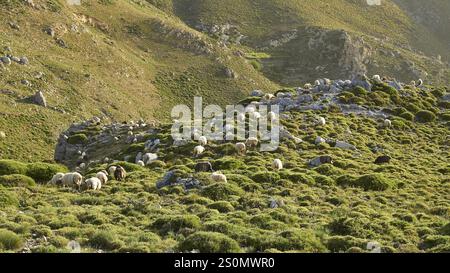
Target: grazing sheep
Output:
[(82, 165), (251, 142), (321, 121), (218, 177), (141, 163), (272, 116), (56, 179), (120, 173), (325, 159), (72, 180), (202, 141), (203, 167), (382, 159), (198, 150), (269, 96), (419, 83), (387, 123), (92, 183), (102, 176), (112, 170), (277, 164), (149, 157), (376, 78), (240, 148), (256, 115), (307, 86)]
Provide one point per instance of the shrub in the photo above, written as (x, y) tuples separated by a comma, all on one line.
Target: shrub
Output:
[(425, 116), (343, 243), (210, 242), (227, 163), (104, 240), (43, 172), (221, 191), (8, 198), (375, 182), (323, 180), (16, 180), (296, 177), (9, 240), (407, 115), (12, 167), (77, 139), (265, 177), (359, 91), (222, 206), (175, 223), (129, 167)]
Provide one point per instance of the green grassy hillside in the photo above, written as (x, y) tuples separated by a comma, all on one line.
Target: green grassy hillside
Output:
[(122, 60), (403, 206)]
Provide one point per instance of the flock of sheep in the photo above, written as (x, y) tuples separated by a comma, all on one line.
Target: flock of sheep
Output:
[(76, 181)]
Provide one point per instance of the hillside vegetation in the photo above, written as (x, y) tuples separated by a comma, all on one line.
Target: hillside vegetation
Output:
[(346, 206)]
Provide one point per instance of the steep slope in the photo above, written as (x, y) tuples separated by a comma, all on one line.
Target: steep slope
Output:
[(113, 59), (385, 39)]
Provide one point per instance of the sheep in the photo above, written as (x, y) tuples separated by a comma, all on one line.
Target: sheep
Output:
[(240, 147), (92, 183), (202, 141), (120, 173), (277, 164), (149, 157), (382, 159), (112, 170), (307, 86), (256, 115), (141, 163), (72, 180), (82, 165), (272, 116), (56, 179), (268, 96), (103, 176), (387, 123), (251, 142), (198, 150), (419, 83), (321, 121), (376, 78), (218, 177), (317, 83), (203, 167)]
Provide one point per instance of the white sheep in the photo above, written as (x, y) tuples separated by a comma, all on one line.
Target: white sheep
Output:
[(307, 86), (140, 163), (419, 83), (268, 96), (256, 115), (111, 170), (376, 78), (102, 176), (251, 142), (272, 116), (218, 177), (387, 123), (72, 180), (92, 183), (198, 150), (241, 117), (277, 164), (240, 147), (56, 179), (321, 121), (202, 140), (149, 158)]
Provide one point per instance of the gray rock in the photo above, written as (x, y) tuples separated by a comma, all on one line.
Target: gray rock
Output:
[(25, 82), (61, 42), (24, 61), (5, 60), (39, 99), (257, 93), (306, 98), (344, 145), (15, 59), (229, 73), (50, 31)]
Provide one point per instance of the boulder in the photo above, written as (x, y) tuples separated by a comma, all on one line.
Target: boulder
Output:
[(39, 99), (5, 60)]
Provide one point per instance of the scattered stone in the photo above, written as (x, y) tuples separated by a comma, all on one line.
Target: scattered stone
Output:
[(25, 82), (5, 60), (50, 31), (229, 73), (2, 134), (344, 145), (257, 93), (24, 61), (325, 159), (61, 42), (14, 25), (39, 99)]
